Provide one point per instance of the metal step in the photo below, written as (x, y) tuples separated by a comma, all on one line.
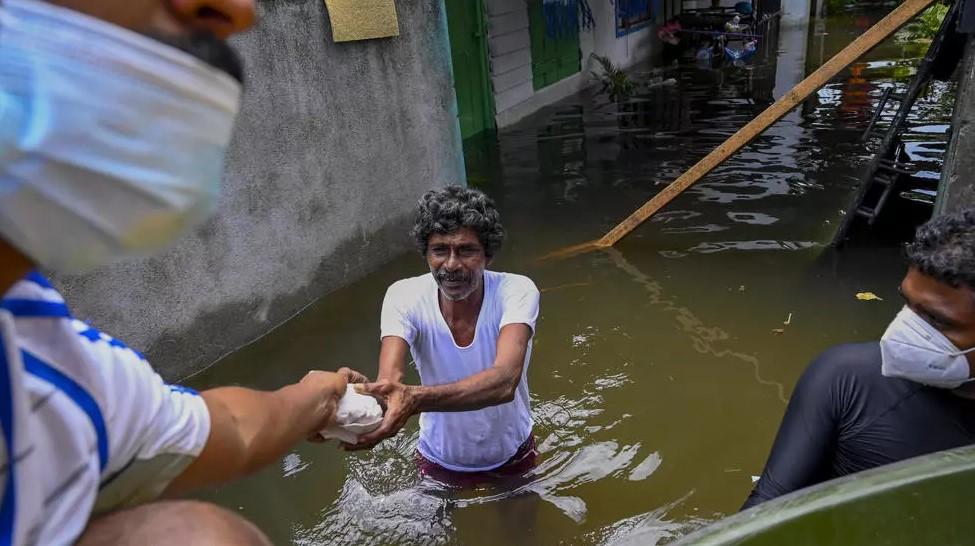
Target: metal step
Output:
[(866, 212), (890, 165)]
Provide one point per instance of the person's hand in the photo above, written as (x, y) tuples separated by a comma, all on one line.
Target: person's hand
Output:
[(400, 403), (352, 376), (331, 387)]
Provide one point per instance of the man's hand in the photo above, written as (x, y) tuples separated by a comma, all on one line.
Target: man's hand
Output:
[(400, 402), (352, 376), (332, 387)]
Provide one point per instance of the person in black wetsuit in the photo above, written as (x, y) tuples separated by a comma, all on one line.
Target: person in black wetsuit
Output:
[(860, 406)]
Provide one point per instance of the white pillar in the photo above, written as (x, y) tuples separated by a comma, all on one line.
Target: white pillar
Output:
[(795, 13)]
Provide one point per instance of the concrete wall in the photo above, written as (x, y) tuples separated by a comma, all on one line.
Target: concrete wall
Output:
[(957, 188), (509, 42), (333, 147)]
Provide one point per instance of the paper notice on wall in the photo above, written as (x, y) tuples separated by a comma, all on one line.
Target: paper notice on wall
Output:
[(362, 19)]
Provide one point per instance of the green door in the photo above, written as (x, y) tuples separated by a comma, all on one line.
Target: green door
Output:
[(468, 48), (555, 51)]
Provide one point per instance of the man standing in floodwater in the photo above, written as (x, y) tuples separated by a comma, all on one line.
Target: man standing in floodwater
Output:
[(114, 119), (469, 331), (860, 406)]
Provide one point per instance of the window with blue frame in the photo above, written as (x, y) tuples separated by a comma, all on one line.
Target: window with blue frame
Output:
[(633, 15)]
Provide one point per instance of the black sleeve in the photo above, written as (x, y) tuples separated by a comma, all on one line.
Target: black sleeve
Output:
[(803, 448)]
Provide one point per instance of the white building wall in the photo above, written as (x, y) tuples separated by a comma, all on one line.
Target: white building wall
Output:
[(624, 51), (509, 47), (509, 44)]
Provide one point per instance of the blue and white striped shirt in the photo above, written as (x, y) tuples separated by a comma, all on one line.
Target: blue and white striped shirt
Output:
[(87, 425)]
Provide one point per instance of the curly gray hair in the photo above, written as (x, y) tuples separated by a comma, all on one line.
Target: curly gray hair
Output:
[(449, 209), (944, 248)]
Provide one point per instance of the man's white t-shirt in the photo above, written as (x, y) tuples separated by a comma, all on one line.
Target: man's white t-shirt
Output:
[(86, 425), (466, 441)]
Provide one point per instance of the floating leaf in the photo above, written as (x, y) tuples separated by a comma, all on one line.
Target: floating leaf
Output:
[(868, 296)]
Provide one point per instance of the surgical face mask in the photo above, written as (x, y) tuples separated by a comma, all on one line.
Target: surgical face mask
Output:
[(913, 349), (111, 143)]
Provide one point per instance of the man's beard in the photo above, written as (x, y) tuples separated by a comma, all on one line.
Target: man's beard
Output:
[(208, 48), (442, 276)]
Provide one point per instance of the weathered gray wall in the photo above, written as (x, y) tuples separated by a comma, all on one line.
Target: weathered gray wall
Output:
[(334, 145), (957, 188)]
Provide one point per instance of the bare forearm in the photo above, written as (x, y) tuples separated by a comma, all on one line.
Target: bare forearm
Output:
[(270, 423), (392, 373), (491, 387), (392, 359), (250, 429)]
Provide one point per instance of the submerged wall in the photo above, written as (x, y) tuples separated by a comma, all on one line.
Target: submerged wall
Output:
[(957, 186), (333, 147)]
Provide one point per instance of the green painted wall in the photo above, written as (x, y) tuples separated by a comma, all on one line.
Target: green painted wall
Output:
[(467, 27)]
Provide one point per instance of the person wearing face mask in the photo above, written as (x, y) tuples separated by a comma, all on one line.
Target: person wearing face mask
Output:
[(469, 331), (864, 405), (114, 119)]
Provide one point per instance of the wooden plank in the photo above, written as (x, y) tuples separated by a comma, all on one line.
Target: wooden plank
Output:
[(512, 78), (507, 23), (500, 7), (864, 43), (514, 96), (511, 61), (509, 42)]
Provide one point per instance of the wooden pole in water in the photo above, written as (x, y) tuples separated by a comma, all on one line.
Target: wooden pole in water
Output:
[(864, 43)]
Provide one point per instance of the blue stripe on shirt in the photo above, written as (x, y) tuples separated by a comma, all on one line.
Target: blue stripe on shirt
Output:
[(8, 504), (39, 279), (35, 308), (77, 394), (92, 334), (183, 390)]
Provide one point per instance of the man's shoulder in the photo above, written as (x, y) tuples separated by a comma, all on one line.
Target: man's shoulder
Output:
[(412, 285), (512, 282), (411, 290), (857, 362)]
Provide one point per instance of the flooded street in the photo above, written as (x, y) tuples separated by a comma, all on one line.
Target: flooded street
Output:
[(661, 368)]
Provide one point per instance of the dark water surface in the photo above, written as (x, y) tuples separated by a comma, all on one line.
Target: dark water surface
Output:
[(658, 377)]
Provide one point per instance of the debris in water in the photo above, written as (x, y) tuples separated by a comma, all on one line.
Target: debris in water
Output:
[(778, 331), (563, 286), (788, 321), (868, 296), (741, 288)]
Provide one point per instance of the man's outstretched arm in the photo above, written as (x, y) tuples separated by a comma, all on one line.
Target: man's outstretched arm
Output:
[(494, 386), (250, 429)]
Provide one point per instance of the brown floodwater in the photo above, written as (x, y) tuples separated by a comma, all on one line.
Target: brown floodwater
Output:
[(661, 368)]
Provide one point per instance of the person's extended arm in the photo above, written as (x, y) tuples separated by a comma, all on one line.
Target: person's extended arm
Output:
[(803, 450), (494, 386), (250, 429)]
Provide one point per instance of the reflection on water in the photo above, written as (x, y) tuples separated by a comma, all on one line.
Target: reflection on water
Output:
[(661, 368)]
